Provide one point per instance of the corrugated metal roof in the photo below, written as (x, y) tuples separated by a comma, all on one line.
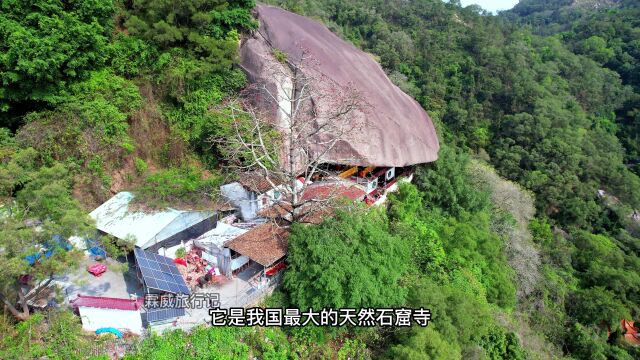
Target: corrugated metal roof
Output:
[(146, 227), (107, 303), (219, 235)]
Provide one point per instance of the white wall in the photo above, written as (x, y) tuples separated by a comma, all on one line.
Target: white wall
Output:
[(270, 196), (95, 318)]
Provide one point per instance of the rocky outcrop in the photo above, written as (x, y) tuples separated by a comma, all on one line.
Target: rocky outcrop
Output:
[(396, 130)]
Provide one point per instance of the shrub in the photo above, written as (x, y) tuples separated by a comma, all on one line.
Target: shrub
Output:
[(181, 252), (350, 261), (141, 166), (182, 185)]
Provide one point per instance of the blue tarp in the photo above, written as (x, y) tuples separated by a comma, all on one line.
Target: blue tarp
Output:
[(31, 259), (49, 246), (95, 248), (111, 330)]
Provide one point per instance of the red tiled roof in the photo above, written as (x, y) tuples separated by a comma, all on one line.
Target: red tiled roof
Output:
[(326, 191), (263, 244), (628, 326), (107, 303), (315, 216), (280, 209), (630, 332), (257, 182)]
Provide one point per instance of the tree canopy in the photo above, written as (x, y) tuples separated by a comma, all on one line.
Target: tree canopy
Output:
[(351, 261), (47, 45), (100, 96)]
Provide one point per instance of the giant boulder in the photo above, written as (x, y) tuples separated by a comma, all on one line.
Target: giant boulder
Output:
[(396, 130)]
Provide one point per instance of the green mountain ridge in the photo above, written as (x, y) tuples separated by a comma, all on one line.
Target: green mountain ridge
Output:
[(520, 238)]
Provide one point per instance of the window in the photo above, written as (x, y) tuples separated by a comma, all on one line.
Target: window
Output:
[(372, 185), (390, 174)]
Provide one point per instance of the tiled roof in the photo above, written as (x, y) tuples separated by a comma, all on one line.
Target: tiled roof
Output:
[(315, 215), (107, 303), (630, 331), (257, 182), (324, 191), (263, 244), (280, 209)]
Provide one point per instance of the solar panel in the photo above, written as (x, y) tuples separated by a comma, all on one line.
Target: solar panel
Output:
[(160, 273), (155, 315), (165, 268)]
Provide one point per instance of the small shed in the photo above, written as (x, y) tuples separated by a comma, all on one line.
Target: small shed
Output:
[(265, 245), (150, 229), (100, 312), (212, 245), (253, 193)]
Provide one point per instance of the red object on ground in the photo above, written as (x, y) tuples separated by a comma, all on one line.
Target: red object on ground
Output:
[(220, 279), (631, 332), (107, 303), (274, 270), (180, 261), (97, 269)]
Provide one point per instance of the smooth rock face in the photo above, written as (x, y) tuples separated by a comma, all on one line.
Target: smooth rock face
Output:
[(396, 130)]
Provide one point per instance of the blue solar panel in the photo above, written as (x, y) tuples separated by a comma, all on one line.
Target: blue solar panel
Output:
[(163, 285), (155, 315), (143, 268), (174, 288), (160, 273), (166, 268), (157, 273)]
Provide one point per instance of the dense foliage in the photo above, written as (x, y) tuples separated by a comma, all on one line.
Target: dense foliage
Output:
[(41, 208), (322, 259), (88, 109), (53, 335), (548, 95), (47, 45), (609, 37), (100, 96), (209, 29)]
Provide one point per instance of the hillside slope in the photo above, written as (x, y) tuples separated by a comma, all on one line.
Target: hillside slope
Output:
[(529, 261)]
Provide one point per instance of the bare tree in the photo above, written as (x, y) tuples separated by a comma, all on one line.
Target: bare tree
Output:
[(311, 116)]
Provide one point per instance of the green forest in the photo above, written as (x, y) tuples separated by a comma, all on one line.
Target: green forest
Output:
[(522, 238)]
